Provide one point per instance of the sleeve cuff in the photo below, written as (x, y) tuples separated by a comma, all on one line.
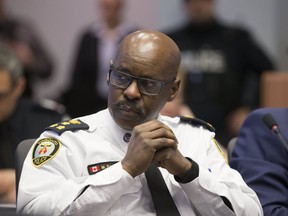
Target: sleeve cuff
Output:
[(191, 175)]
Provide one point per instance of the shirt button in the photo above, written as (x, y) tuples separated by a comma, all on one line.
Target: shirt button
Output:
[(126, 137)]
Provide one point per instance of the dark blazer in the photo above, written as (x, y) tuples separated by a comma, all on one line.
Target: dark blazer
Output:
[(262, 160), (223, 64), (81, 98)]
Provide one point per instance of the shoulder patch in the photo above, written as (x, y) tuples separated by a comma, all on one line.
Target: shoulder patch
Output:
[(44, 150), (197, 122), (69, 125)]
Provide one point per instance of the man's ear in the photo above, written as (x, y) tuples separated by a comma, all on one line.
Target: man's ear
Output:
[(174, 90), (20, 86)]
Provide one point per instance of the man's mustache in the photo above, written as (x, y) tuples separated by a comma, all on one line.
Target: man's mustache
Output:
[(133, 106)]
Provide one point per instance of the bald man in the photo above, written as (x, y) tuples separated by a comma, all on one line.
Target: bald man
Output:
[(97, 164)]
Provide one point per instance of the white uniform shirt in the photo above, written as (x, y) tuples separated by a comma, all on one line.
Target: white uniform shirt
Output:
[(63, 186)]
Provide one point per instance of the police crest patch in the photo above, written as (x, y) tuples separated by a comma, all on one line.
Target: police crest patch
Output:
[(44, 150)]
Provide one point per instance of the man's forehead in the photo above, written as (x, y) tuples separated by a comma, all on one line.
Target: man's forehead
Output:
[(145, 45), (131, 57), (142, 64), (148, 53)]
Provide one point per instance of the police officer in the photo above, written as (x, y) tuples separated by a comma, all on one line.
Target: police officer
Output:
[(20, 119), (95, 165)]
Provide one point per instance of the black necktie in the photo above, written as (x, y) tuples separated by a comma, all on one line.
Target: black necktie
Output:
[(163, 202)]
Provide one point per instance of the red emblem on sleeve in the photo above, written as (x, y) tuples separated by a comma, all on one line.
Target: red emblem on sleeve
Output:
[(95, 168)]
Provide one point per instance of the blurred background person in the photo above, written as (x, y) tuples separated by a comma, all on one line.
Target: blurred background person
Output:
[(26, 43), (223, 65), (96, 48), (20, 118), (177, 107)]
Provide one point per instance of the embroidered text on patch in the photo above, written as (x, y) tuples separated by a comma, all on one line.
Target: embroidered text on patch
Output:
[(44, 150)]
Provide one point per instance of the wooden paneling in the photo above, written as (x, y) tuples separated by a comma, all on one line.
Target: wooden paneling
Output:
[(274, 89)]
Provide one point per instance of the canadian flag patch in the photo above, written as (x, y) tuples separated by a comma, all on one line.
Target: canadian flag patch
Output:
[(95, 168)]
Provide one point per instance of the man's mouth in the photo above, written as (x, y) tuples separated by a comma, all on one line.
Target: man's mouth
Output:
[(130, 109)]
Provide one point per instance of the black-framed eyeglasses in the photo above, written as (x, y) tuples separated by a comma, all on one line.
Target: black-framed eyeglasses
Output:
[(145, 85)]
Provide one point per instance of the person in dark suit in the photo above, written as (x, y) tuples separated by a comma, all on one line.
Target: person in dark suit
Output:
[(262, 160), (223, 64), (20, 118), (88, 90)]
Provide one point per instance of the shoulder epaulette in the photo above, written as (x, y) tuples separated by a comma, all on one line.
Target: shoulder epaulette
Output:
[(197, 122), (69, 125)]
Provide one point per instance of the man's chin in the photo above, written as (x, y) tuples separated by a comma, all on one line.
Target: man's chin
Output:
[(127, 125), (129, 121)]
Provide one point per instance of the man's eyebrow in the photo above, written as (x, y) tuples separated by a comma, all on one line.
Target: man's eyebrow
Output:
[(128, 71), (123, 69)]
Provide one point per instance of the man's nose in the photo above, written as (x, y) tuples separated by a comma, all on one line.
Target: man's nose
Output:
[(132, 91)]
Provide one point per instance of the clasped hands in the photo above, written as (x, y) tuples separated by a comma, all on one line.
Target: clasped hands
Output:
[(154, 142)]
